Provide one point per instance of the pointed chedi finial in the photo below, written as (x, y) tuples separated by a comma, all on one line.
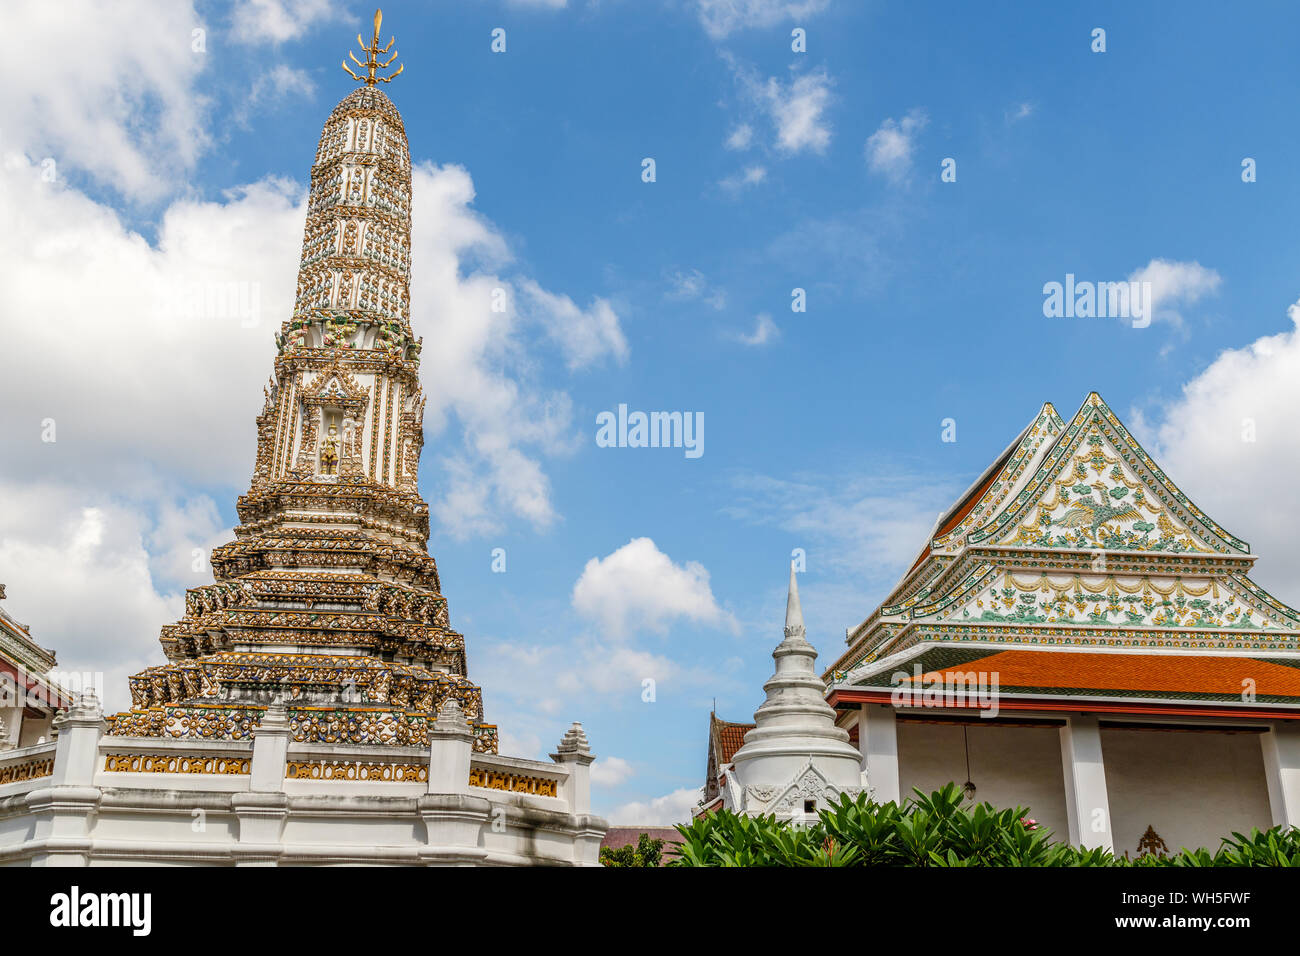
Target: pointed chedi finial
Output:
[(372, 62), (794, 628)]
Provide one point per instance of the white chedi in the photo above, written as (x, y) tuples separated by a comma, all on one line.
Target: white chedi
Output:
[(795, 760)]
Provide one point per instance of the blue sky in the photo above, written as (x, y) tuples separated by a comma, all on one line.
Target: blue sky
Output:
[(775, 170)]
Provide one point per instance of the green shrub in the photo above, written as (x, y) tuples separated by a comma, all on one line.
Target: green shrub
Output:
[(938, 829), (647, 852)]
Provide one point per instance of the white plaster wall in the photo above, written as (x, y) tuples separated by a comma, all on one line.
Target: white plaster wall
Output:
[(1194, 788), (1010, 766)]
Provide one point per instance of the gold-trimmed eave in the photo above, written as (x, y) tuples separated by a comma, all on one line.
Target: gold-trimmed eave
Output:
[(948, 572), (1012, 464), (1084, 636), (1095, 410), (1029, 448)]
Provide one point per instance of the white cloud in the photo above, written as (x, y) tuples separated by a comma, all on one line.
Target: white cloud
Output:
[(611, 771), (638, 587), (671, 808), (585, 337), (749, 176), (741, 138), (1174, 284), (765, 332), (145, 356), (720, 18), (797, 108), (77, 571), (278, 84), (1019, 112), (889, 149), (275, 21), (1203, 441), (105, 88), (693, 285)]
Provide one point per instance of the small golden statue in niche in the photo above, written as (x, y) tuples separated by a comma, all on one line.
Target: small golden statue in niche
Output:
[(329, 454)]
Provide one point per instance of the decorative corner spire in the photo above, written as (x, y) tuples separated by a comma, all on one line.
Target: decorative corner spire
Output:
[(793, 612), (574, 740), (372, 62)]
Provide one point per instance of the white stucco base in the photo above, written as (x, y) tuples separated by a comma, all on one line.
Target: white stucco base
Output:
[(271, 802)]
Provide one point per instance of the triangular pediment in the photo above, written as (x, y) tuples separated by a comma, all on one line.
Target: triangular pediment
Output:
[(1096, 488), (335, 385), (1012, 471)]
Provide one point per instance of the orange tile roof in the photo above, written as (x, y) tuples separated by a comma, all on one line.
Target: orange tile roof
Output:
[(730, 738), (1162, 673)]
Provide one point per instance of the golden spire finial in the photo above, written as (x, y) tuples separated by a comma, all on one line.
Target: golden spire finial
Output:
[(372, 57)]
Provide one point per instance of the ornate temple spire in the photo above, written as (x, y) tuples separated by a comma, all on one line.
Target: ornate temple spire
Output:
[(795, 751), (328, 594)]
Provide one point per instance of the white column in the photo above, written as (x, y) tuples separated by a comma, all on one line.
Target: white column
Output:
[(1281, 744), (64, 812), (1086, 803), (878, 743), (453, 818), (270, 750), (451, 744), (262, 811)]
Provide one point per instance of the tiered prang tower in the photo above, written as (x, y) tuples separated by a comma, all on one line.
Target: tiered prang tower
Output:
[(328, 597)]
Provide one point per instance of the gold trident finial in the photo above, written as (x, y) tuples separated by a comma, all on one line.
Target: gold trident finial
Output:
[(373, 53)]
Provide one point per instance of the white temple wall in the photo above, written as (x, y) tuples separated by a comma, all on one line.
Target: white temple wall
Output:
[(1194, 788), (1010, 766)]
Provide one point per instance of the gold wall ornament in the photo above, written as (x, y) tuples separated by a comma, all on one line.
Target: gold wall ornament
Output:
[(28, 770), (177, 763), (357, 771), (513, 782), (373, 52)]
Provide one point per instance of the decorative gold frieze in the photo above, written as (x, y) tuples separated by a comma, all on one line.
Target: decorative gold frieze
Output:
[(27, 770), (356, 771), (177, 763), (516, 783)]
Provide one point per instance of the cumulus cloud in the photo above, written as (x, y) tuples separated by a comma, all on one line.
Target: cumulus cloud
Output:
[(118, 103), (479, 371), (765, 332), (1229, 441), (889, 149), (586, 336), (638, 587), (611, 771), (742, 137), (78, 572), (276, 21), (798, 110), (1176, 284), (671, 808), (721, 18), (136, 341)]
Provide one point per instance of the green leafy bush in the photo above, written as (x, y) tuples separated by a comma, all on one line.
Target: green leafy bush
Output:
[(647, 852), (938, 829)]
